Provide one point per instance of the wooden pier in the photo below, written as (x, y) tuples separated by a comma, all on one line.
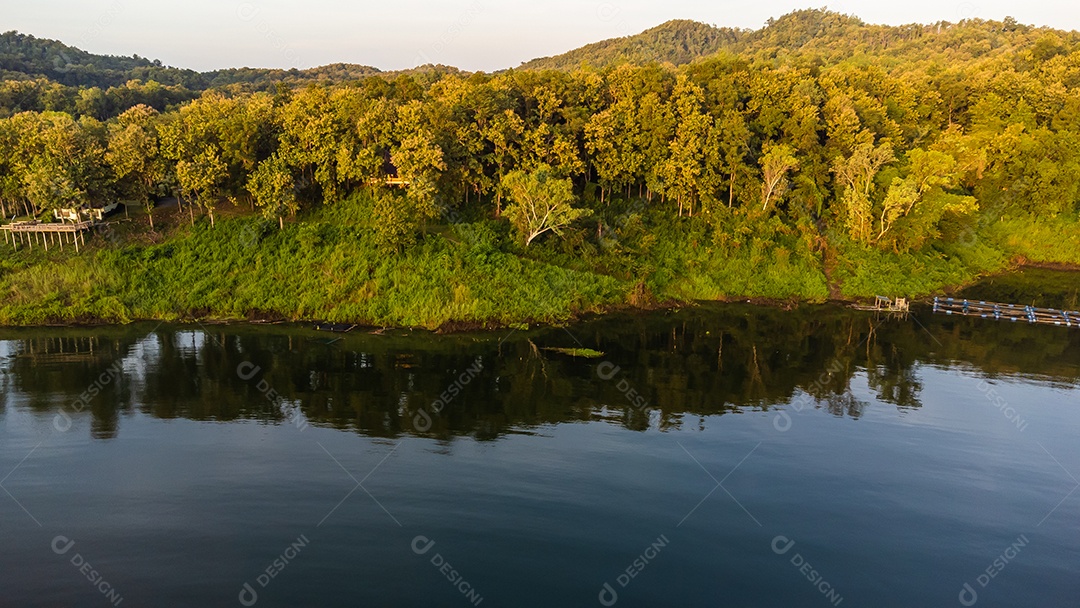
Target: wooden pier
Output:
[(899, 306), (27, 233), (1007, 312)]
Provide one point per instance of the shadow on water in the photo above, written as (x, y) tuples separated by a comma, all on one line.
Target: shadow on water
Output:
[(658, 370), (1031, 287)]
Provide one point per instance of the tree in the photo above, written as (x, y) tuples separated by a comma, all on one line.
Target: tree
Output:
[(684, 166), (503, 132), (915, 204), (539, 202), (614, 136), (855, 175), (373, 125), (777, 161), (273, 187), (91, 102), (320, 136), (605, 140), (134, 155), (728, 145), (419, 159), (395, 221), (60, 161), (201, 178)]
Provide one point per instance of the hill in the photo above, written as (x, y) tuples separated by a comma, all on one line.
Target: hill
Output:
[(824, 36), (266, 78), (25, 57), (677, 42)]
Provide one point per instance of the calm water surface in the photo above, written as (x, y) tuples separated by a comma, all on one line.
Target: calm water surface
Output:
[(715, 456)]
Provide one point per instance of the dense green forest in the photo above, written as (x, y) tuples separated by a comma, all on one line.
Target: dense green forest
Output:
[(817, 157)]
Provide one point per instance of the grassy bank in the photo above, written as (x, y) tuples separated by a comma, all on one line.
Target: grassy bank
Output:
[(318, 269), (328, 266), (988, 249)]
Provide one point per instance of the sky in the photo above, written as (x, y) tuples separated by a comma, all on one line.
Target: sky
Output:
[(470, 34)]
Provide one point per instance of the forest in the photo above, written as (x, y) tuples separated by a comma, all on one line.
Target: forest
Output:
[(819, 157)]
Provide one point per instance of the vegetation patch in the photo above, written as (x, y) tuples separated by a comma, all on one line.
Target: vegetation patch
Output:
[(586, 353), (819, 157)]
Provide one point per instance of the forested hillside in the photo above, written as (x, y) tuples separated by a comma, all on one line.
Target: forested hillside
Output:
[(822, 157), (38, 75), (818, 37), (24, 57), (675, 42)]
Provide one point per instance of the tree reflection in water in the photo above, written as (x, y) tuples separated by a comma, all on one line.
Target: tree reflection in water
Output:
[(686, 365)]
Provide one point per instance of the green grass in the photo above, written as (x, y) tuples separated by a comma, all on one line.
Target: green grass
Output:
[(868, 271), (733, 259), (993, 248), (317, 269), (327, 266), (1055, 241)]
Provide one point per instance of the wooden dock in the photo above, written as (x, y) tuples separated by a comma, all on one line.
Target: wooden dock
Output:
[(27, 233), (898, 306), (1007, 312)]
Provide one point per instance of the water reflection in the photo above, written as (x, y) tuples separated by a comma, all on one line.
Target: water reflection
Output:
[(659, 370)]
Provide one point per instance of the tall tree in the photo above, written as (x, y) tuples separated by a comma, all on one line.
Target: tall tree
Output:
[(273, 187), (134, 155), (201, 179), (777, 161), (540, 202), (856, 175)]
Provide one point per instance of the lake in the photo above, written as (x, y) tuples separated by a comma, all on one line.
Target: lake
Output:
[(718, 455)]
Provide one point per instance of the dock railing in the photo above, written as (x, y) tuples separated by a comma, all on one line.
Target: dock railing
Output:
[(44, 233), (1007, 312)]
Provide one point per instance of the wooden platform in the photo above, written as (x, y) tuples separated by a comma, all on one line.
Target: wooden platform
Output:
[(882, 304), (1007, 312), (44, 233)]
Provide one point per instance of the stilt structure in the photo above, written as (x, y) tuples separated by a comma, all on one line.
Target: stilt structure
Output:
[(899, 306), (26, 233)]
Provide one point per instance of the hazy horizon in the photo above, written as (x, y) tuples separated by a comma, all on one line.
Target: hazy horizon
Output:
[(474, 35)]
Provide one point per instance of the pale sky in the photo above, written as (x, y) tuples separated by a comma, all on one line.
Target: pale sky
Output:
[(470, 34)]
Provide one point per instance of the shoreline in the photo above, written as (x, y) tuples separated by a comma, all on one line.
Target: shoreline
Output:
[(461, 327)]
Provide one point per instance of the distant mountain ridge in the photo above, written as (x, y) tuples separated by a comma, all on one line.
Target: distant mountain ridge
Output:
[(823, 34), (678, 42), (827, 36), (25, 57)]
